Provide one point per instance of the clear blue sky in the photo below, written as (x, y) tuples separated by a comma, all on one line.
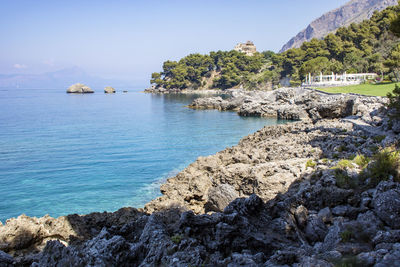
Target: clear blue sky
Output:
[(130, 39)]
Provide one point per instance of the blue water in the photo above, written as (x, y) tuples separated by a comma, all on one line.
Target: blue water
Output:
[(62, 154)]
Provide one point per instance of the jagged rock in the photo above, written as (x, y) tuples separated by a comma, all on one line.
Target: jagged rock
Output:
[(79, 88), (396, 126), (6, 260), (290, 103), (109, 90), (386, 203), (325, 215), (392, 236), (219, 197), (301, 215), (32, 233), (315, 229)]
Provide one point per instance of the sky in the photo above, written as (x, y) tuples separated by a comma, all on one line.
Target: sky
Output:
[(129, 40)]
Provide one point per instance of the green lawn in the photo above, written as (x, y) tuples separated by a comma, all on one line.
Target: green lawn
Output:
[(364, 89)]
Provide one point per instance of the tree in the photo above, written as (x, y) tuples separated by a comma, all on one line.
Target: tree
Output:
[(393, 61), (335, 66), (156, 79), (315, 48), (168, 66), (315, 66), (355, 62), (394, 101), (377, 64), (395, 25), (334, 45)]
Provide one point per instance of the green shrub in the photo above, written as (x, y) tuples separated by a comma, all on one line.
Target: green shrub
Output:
[(362, 161), (374, 149), (379, 138), (385, 163), (325, 160), (344, 163), (176, 239), (311, 163), (351, 157), (342, 148), (343, 180), (348, 261), (346, 236)]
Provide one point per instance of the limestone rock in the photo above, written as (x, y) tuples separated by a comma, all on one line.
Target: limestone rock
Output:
[(79, 88), (386, 203), (219, 197), (291, 104), (109, 90), (6, 260)]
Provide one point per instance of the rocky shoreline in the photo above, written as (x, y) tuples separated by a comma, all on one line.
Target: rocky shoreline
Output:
[(185, 91), (284, 195)]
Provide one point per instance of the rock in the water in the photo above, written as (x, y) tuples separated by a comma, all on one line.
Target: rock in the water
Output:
[(109, 90), (79, 88)]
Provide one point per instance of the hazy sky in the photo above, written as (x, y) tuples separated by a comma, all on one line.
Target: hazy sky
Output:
[(130, 39)]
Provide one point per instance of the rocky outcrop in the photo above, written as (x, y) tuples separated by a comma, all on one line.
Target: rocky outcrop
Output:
[(109, 90), (275, 199), (354, 11), (79, 88), (25, 233), (292, 104)]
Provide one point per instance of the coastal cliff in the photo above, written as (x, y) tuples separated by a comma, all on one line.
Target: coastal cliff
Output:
[(286, 195), (354, 11)]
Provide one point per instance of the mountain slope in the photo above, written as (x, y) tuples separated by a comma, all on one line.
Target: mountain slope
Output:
[(354, 11)]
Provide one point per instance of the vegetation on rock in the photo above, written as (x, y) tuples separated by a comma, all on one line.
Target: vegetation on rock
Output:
[(370, 46)]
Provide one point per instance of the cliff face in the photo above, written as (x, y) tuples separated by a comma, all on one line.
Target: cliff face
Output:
[(353, 12)]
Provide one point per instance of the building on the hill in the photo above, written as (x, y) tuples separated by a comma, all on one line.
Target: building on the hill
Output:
[(337, 79), (248, 48)]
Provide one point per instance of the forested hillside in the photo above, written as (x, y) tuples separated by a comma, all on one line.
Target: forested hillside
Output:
[(370, 46)]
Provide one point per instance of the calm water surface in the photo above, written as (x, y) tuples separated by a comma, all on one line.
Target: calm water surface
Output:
[(62, 154)]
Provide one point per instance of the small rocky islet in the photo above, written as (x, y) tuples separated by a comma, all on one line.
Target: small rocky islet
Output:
[(80, 88), (300, 194)]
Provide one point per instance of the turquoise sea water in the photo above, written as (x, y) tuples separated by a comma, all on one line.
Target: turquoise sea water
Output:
[(62, 154)]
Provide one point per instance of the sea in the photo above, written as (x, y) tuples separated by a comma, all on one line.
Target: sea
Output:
[(67, 153)]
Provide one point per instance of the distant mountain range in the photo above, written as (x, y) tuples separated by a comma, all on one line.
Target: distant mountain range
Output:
[(354, 11), (55, 80)]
